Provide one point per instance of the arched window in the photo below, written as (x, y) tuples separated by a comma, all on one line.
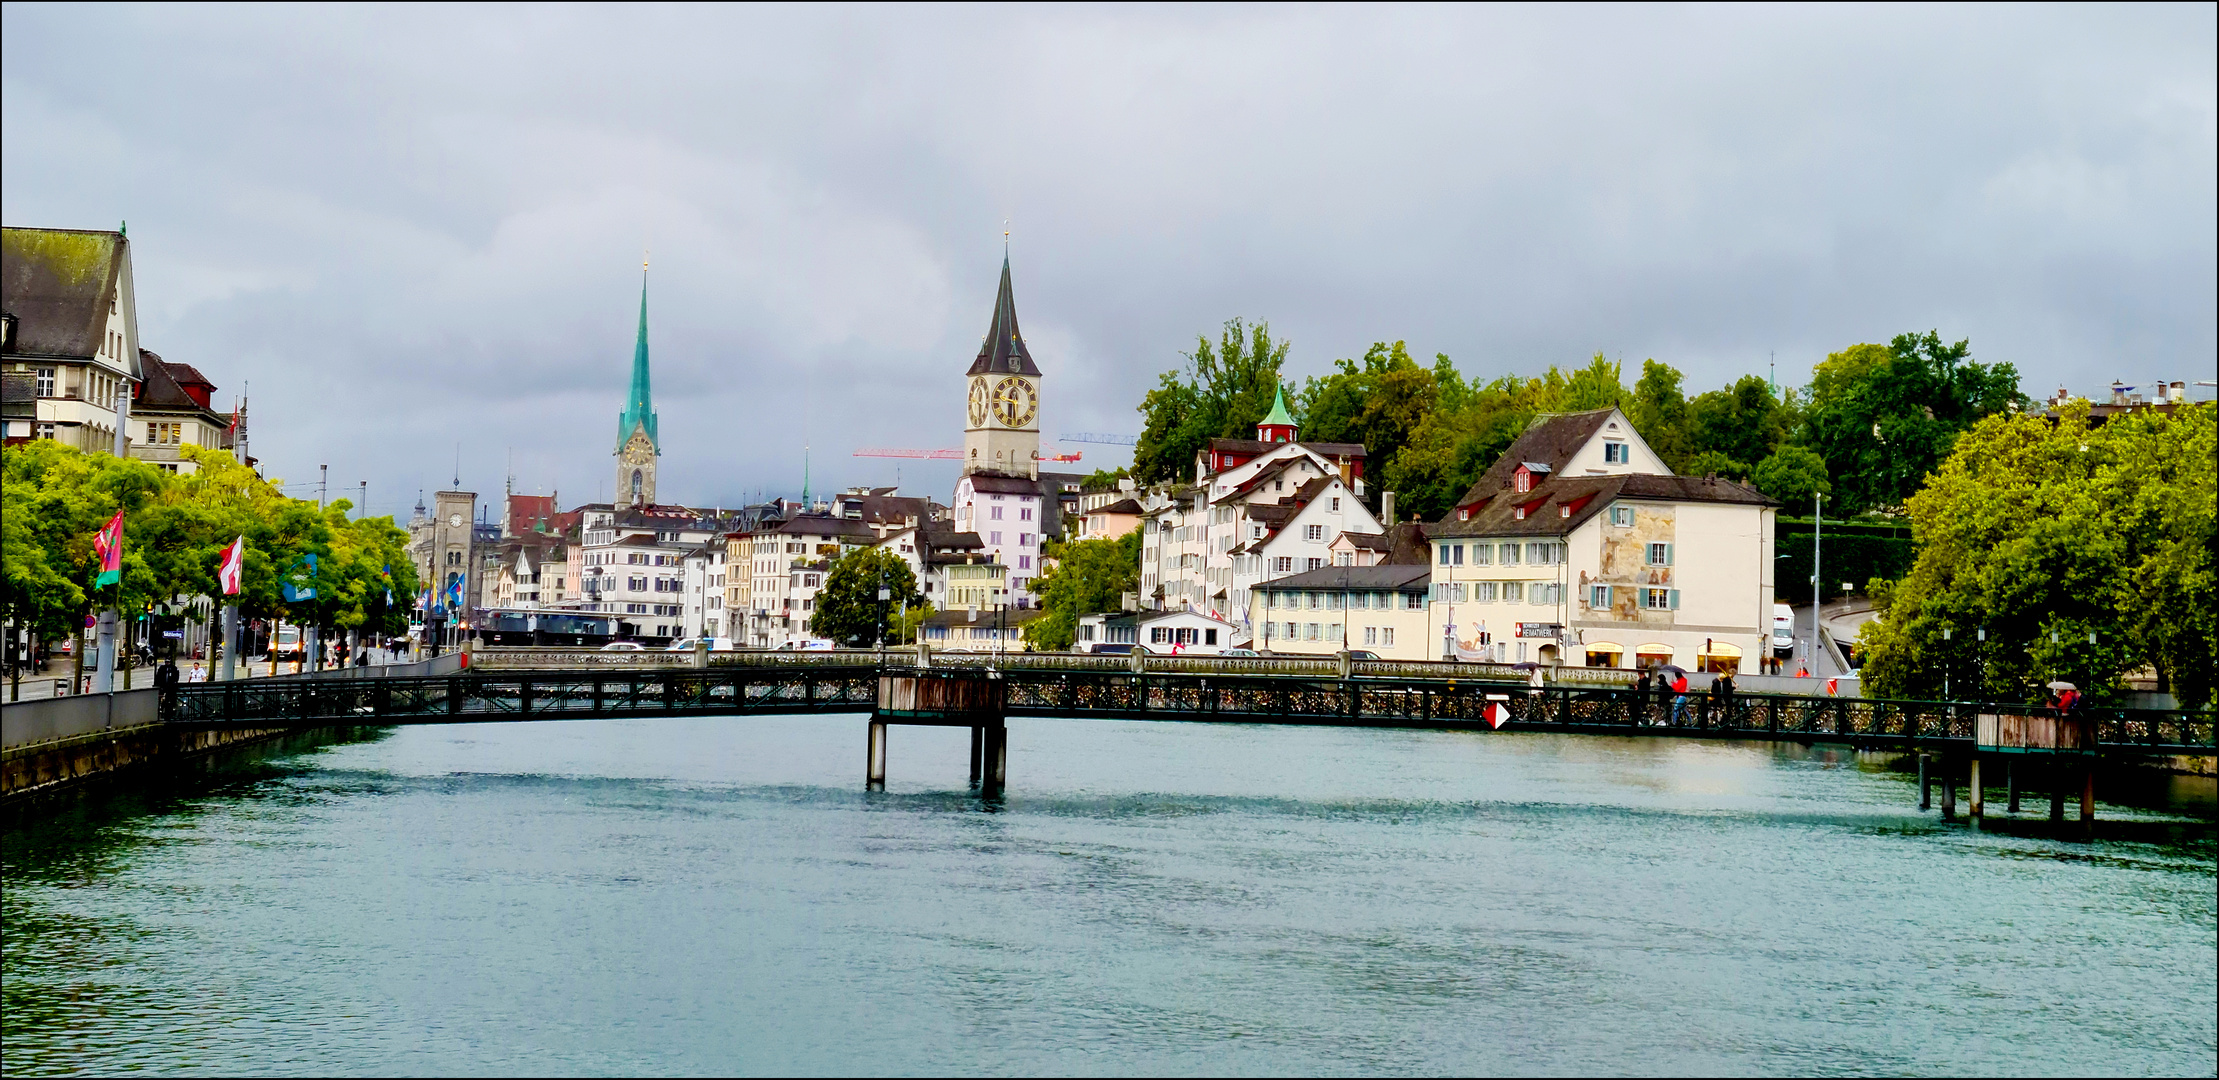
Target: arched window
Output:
[(636, 484)]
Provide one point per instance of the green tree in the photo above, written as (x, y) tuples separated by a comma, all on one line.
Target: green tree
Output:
[(2045, 532), (1223, 392), (1599, 385), (1884, 416), (1793, 475), (1658, 410), (1744, 422), (848, 608), (1088, 576), (1378, 403)]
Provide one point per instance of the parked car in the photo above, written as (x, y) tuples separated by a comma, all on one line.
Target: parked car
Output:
[(1240, 652), (623, 646), (1362, 654), (806, 645), (1104, 649)]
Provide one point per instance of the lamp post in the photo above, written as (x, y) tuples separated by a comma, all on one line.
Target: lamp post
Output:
[(998, 621), (1818, 522), (1945, 663)]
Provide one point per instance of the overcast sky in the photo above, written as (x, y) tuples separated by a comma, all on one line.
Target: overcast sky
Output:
[(422, 227)]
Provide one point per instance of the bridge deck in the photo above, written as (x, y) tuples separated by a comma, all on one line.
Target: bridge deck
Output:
[(1399, 702)]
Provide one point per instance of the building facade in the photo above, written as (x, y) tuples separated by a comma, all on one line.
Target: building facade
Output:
[(69, 322)]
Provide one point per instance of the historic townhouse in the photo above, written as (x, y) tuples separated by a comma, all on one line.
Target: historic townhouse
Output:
[(1579, 545), (786, 565), (69, 320), (172, 408), (1259, 509), (1380, 608)]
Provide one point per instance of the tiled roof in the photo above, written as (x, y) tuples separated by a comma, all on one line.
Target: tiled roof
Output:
[(1407, 578), (58, 284), (1121, 506), (1549, 441), (1584, 497), (1252, 446)]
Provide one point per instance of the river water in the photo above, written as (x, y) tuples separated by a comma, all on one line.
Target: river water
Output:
[(722, 896)]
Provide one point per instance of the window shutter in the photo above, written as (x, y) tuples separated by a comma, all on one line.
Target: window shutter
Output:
[(1674, 601), (1668, 561)]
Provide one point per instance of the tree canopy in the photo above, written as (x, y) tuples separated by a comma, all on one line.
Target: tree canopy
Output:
[(2045, 532), (1222, 394), (175, 531), (1884, 416), (848, 607), (1087, 576)]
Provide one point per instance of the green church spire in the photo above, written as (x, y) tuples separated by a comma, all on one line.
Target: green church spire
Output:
[(639, 405), (1279, 416)]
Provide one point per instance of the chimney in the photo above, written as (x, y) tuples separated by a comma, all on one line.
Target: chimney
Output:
[(1387, 508)]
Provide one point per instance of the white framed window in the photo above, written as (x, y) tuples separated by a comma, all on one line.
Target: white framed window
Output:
[(1332, 631), (1315, 564), (1282, 564), (1309, 631), (1371, 635), (1313, 532), (1459, 592), (1414, 601), (1457, 554), (1483, 554), (1660, 599), (1598, 597), (1616, 453), (1487, 591), (1510, 553), (1336, 507), (1444, 552), (1387, 636), (46, 389), (1513, 592), (1659, 555), (1622, 516)]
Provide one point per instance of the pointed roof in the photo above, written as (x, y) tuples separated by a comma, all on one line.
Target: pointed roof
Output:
[(1004, 350), (639, 404), (1278, 417)]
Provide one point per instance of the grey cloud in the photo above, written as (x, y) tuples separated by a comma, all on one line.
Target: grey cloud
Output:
[(415, 227)]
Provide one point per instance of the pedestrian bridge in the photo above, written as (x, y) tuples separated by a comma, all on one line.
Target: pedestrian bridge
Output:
[(512, 685)]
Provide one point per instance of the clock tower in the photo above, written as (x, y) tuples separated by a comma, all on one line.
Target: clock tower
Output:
[(1001, 431)]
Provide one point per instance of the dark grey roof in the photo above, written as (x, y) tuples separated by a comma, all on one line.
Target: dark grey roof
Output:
[(1252, 446), (1404, 577), (821, 525), (996, 483), (1549, 441), (59, 283), (1586, 496), (1121, 506), (1368, 541), (1003, 351)]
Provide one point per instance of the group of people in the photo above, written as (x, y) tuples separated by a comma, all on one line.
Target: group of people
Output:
[(1671, 688)]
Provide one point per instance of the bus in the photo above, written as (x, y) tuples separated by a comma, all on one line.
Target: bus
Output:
[(287, 643)]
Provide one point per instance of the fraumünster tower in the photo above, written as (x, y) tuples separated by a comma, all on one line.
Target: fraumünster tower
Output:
[(637, 445), (1002, 429)]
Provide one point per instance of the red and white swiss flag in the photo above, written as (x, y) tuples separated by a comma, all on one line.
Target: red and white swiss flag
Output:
[(234, 560)]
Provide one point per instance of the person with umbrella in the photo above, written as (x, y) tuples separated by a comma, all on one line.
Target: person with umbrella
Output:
[(1672, 679), (2063, 696)]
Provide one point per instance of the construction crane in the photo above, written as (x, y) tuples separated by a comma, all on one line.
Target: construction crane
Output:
[(943, 455), (1096, 437)]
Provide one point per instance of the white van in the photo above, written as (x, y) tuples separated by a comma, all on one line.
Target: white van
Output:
[(716, 644), (1783, 631)]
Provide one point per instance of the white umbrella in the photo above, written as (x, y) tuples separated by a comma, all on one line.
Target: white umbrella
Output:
[(2060, 685)]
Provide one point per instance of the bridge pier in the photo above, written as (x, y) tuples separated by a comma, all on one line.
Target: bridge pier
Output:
[(1949, 793), (1973, 793), (1926, 783), (953, 698), (2011, 784)]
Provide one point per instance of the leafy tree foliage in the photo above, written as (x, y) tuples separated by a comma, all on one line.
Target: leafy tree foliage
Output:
[(1793, 475), (2045, 532), (1884, 417), (175, 531), (1742, 424), (1224, 391), (1088, 576), (848, 608)]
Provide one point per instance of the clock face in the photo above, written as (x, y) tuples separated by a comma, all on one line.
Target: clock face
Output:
[(1015, 402), (454, 521), (978, 403)]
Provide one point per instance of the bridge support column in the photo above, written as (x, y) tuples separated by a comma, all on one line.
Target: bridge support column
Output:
[(978, 754), (2057, 791), (2088, 800), (874, 765), (1972, 791), (995, 747), (1926, 783), (2011, 783), (1949, 792)]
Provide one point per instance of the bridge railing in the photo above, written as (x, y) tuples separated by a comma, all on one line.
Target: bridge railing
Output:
[(1105, 691)]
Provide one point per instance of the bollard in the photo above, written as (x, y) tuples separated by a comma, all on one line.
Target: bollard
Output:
[(701, 654), (924, 655), (875, 757)]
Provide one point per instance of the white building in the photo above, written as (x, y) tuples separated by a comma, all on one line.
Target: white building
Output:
[(1160, 633), (71, 328), (1258, 509), (1579, 545), (705, 590)]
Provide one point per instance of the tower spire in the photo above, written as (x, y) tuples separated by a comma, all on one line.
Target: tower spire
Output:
[(639, 403)]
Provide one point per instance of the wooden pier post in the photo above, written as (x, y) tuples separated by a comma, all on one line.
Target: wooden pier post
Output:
[(1972, 790), (947, 698), (996, 754), (1949, 792), (1926, 785), (2057, 791), (875, 766), (978, 753), (2088, 801), (2011, 782)]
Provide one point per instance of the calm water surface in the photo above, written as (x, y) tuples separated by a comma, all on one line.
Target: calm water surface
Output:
[(720, 895)]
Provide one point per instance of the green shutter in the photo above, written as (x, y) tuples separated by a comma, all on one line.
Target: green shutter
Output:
[(1668, 560), (1675, 600)]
